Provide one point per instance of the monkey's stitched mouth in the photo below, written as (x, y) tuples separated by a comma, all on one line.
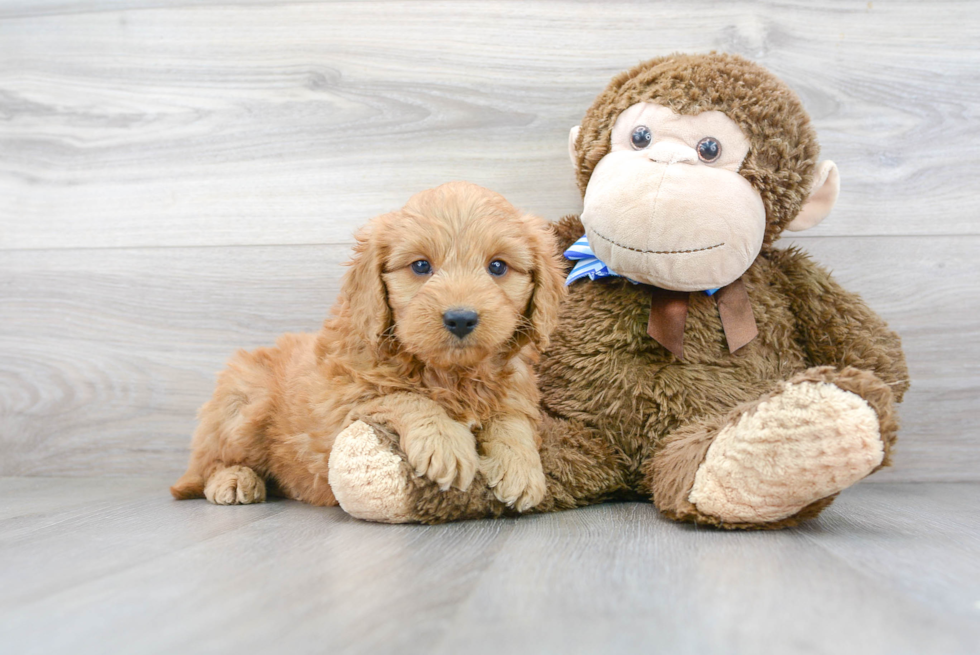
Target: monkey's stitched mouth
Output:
[(656, 252)]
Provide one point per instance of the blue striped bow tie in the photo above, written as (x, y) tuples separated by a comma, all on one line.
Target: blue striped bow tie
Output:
[(588, 265)]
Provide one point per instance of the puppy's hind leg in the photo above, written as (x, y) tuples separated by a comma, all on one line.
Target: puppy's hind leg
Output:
[(229, 442), (235, 485), (232, 485)]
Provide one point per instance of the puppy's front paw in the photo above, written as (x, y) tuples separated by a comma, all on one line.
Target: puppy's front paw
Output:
[(444, 452), (515, 475)]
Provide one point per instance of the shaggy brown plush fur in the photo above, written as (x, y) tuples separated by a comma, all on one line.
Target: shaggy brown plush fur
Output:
[(387, 355), (627, 419)]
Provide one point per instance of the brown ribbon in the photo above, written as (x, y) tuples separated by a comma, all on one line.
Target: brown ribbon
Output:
[(668, 316)]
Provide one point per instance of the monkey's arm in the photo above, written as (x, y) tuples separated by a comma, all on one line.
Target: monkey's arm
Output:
[(835, 326)]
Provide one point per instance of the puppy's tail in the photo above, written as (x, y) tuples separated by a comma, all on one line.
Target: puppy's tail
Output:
[(190, 485)]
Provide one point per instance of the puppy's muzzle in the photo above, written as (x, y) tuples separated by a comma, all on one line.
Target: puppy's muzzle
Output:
[(460, 321)]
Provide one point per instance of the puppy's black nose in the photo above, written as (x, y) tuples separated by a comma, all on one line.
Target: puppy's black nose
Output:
[(460, 321)]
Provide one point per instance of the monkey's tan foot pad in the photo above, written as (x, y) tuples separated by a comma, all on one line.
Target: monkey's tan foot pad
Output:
[(369, 479), (808, 441), (235, 485)]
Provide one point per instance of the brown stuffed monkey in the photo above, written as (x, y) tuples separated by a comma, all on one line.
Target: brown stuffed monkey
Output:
[(695, 365)]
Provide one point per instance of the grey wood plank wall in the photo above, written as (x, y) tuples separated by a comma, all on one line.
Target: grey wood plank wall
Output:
[(181, 179)]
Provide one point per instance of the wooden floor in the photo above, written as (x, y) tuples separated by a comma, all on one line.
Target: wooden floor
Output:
[(116, 566)]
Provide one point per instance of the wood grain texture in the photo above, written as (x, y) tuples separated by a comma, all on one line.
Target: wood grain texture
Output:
[(889, 569), (106, 354), (129, 123), (181, 179)]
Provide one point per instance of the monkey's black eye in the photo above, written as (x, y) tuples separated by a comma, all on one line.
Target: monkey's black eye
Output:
[(709, 149), (497, 268), (641, 137), (421, 267)]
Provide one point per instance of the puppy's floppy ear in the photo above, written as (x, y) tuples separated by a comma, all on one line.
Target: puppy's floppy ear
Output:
[(363, 289), (549, 284)]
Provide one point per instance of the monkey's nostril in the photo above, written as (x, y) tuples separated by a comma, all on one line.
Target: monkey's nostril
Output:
[(671, 153), (460, 321)]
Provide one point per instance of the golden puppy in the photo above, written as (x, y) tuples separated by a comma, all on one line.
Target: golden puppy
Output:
[(439, 318)]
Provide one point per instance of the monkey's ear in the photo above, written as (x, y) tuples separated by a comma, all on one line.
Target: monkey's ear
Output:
[(572, 138), (826, 188)]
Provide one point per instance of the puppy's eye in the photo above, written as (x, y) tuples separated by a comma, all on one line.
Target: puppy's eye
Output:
[(497, 268), (709, 149), (421, 267), (641, 137)]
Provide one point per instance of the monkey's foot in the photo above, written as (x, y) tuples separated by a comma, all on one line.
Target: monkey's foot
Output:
[(235, 485), (806, 442), (370, 480)]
